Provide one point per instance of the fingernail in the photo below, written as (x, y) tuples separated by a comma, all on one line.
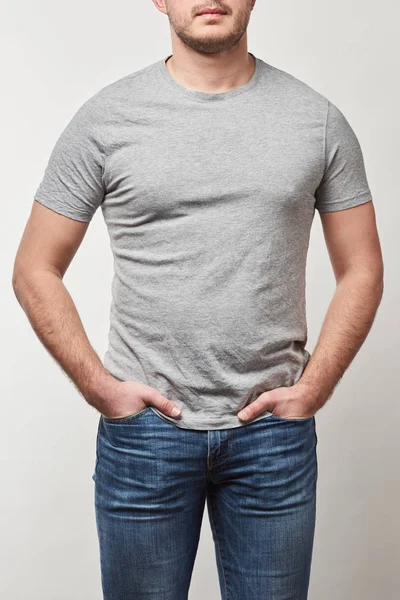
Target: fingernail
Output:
[(175, 411), (243, 414)]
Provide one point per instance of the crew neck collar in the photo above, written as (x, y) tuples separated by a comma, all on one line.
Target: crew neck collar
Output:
[(208, 96)]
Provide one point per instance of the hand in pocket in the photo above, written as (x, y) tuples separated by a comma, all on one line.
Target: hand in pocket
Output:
[(291, 403), (126, 398)]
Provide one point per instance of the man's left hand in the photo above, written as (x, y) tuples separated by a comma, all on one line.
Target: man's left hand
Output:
[(294, 402)]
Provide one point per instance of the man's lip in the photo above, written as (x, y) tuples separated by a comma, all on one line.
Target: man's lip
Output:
[(212, 11)]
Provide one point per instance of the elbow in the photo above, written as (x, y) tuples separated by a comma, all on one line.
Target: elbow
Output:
[(21, 276), (377, 279), (377, 283), (379, 274), (17, 283)]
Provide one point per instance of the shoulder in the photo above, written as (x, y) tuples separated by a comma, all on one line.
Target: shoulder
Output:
[(126, 88), (105, 106), (295, 92)]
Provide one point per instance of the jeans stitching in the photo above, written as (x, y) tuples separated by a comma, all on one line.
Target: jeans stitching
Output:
[(128, 418), (97, 451), (219, 546), (291, 419)]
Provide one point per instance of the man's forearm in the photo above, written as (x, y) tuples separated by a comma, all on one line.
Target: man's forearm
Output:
[(347, 322), (55, 319)]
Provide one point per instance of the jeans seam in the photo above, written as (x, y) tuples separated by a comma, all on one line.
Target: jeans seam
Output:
[(123, 420), (293, 419), (97, 450), (219, 546)]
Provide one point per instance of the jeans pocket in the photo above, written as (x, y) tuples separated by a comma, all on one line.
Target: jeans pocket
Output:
[(292, 420), (127, 419)]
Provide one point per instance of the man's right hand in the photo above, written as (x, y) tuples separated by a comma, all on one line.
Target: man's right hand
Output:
[(125, 398)]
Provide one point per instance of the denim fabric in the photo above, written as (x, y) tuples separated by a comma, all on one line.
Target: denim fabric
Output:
[(152, 480)]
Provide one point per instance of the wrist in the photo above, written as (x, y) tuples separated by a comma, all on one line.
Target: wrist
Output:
[(101, 389), (312, 396)]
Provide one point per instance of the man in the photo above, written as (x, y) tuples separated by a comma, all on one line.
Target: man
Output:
[(208, 166)]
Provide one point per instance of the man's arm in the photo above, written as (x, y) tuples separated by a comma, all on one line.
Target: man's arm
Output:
[(354, 249), (47, 247), (355, 253)]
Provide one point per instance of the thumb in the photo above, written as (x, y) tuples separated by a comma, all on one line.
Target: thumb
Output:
[(155, 398)]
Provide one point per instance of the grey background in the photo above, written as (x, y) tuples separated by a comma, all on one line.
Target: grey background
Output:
[(54, 56)]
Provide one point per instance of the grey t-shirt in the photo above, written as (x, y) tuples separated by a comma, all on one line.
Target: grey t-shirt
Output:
[(208, 199)]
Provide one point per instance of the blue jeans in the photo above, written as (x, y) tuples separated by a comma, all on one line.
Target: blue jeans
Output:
[(152, 479)]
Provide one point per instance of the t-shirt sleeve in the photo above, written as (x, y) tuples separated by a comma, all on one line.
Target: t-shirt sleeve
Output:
[(72, 184), (344, 183)]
